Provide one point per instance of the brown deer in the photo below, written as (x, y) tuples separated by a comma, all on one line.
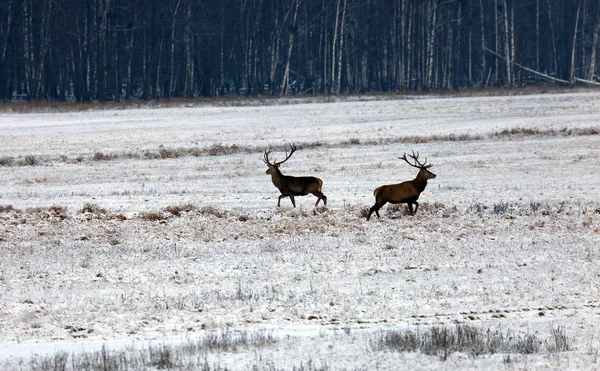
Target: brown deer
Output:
[(291, 186), (406, 192)]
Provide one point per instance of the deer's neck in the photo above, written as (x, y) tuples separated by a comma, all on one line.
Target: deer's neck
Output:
[(277, 177), (420, 183)]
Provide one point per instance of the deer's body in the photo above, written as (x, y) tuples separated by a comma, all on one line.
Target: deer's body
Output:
[(403, 193), (291, 186)]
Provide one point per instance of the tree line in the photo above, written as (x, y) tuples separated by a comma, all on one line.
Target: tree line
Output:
[(99, 50)]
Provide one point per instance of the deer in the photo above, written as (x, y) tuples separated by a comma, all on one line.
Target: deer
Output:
[(406, 192), (291, 186)]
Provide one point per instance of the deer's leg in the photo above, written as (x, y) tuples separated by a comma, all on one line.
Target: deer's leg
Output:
[(410, 207), (320, 196), (375, 209), (293, 202), (279, 200)]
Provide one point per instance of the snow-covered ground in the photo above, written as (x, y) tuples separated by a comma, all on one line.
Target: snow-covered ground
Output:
[(507, 236)]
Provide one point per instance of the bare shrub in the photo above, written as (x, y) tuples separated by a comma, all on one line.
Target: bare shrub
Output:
[(99, 156), (52, 212), (92, 209), (30, 160), (176, 210), (167, 153), (152, 216), (116, 216), (151, 155), (162, 357), (59, 212), (211, 210), (500, 208), (443, 341), (6, 161), (477, 208), (189, 356), (220, 149), (559, 341), (8, 209), (196, 152)]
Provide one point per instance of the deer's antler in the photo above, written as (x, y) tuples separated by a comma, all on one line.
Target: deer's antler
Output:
[(277, 163), (287, 157), (266, 157), (417, 164)]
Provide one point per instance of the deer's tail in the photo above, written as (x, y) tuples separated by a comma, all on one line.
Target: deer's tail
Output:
[(377, 190), (320, 182)]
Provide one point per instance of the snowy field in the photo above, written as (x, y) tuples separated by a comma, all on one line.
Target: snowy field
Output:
[(118, 227)]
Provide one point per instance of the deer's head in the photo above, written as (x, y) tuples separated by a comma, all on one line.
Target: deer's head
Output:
[(424, 172), (274, 166)]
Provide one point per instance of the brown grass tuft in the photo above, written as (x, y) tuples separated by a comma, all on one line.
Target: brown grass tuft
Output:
[(211, 210), (30, 160), (116, 216), (152, 216), (52, 212), (176, 210), (7, 209), (167, 153), (59, 212), (6, 161), (92, 209)]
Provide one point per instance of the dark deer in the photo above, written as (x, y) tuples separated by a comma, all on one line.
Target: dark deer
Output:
[(406, 192), (291, 186)]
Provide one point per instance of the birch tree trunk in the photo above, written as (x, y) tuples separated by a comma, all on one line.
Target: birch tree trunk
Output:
[(5, 31), (431, 43), (507, 47), (171, 85), (482, 78), (284, 85), (334, 47), (274, 53), (574, 48), (497, 38), (537, 35), (28, 49), (593, 52), (341, 50), (189, 61), (553, 37)]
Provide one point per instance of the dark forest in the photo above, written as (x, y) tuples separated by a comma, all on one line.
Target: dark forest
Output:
[(107, 50)]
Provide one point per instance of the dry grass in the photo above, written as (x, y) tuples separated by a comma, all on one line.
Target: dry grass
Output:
[(443, 341), (152, 216), (7, 161), (247, 101), (8, 209), (92, 209), (223, 149), (54, 212), (177, 210), (213, 211)]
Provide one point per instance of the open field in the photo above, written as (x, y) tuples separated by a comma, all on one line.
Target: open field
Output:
[(160, 223)]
